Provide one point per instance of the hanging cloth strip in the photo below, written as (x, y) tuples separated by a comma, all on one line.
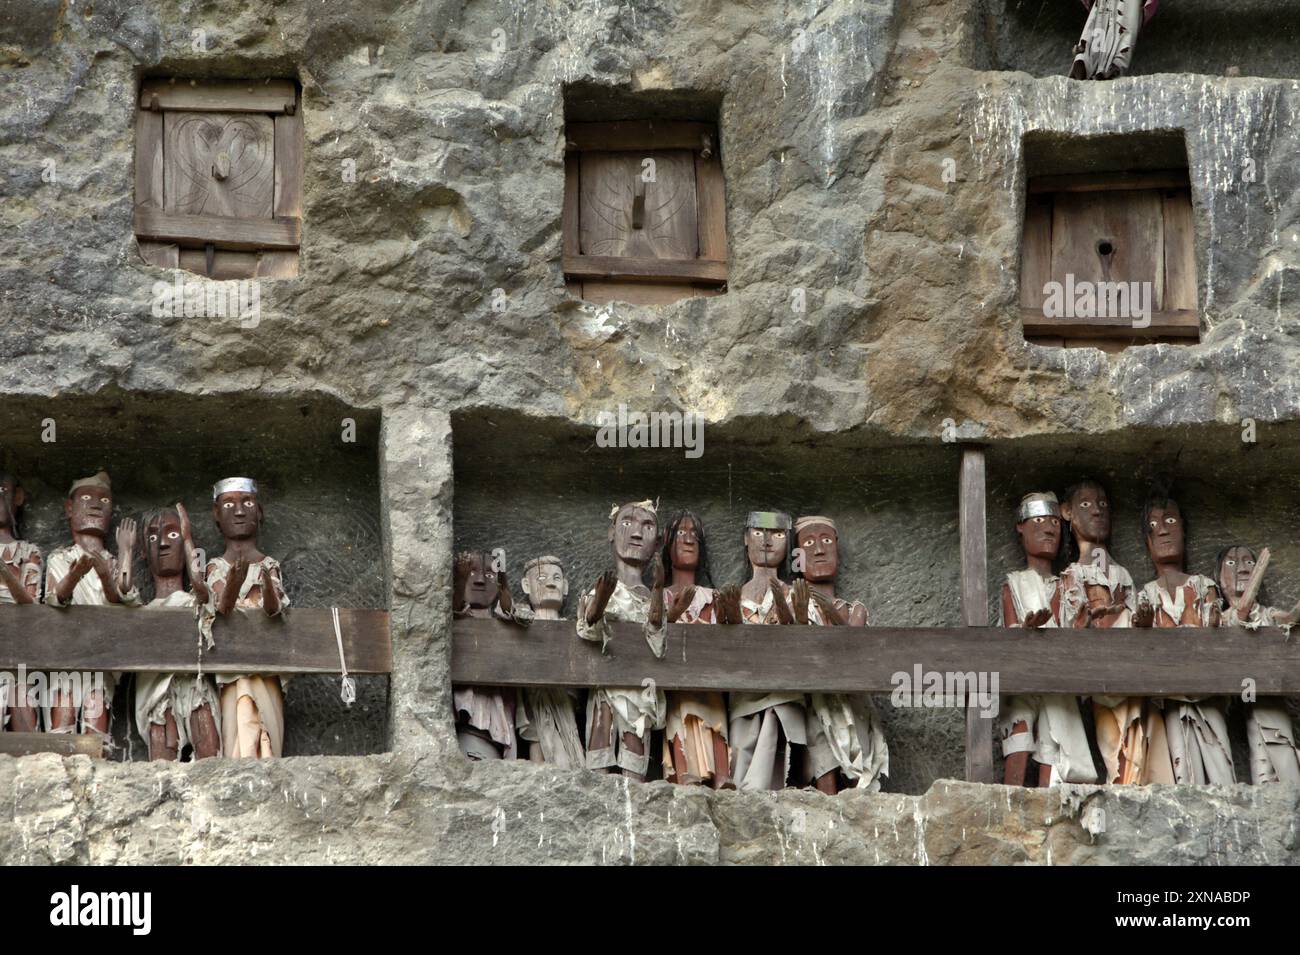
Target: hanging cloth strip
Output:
[(348, 687)]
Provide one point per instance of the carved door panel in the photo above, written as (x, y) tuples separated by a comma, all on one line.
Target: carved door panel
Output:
[(632, 209), (219, 164)]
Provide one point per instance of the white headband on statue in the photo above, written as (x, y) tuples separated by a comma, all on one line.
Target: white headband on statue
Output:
[(235, 484)]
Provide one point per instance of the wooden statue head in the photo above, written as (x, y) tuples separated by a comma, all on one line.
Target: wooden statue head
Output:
[(767, 539), (1165, 530), (1233, 568), (1087, 509), (685, 547), (545, 584), (1038, 522), (480, 586), (820, 543), (634, 533), (89, 506), (163, 547), (236, 509)]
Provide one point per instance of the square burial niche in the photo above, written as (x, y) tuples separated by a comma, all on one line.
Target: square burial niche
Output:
[(320, 496), (1229, 493), (1256, 37), (1108, 254), (218, 176), (644, 217), (535, 487)]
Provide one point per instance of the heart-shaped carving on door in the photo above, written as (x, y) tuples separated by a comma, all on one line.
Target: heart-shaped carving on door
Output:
[(219, 164)]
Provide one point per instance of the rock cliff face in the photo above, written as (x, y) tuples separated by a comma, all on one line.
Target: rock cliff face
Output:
[(836, 122)]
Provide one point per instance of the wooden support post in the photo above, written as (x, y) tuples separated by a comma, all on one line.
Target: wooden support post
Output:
[(975, 600)]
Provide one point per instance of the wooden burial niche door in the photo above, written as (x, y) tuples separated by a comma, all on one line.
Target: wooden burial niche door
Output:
[(219, 177), (644, 212), (1119, 238)]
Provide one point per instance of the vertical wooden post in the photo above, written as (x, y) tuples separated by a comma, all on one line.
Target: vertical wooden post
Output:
[(975, 600)]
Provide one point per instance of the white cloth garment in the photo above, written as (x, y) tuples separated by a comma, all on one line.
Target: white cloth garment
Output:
[(157, 694), (636, 710), (1270, 734), (1056, 734), (24, 559)]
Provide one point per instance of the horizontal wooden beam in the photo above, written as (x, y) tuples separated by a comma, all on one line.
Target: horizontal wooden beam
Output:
[(65, 744), (132, 640), (1177, 324), (1111, 181), (866, 659), (635, 135), (644, 269), (253, 96), (229, 232)]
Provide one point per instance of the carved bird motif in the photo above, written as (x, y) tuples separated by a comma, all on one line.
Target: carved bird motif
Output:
[(1105, 50)]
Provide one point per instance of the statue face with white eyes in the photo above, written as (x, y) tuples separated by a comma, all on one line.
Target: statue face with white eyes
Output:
[(238, 514), (1235, 570), (821, 551), (766, 547), (89, 509), (1088, 512), (634, 534), (1165, 533), (163, 546)]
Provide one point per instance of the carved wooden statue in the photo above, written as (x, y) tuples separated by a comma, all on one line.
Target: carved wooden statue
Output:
[(1195, 727), (620, 719), (245, 579), (86, 574), (1048, 726), (695, 739), (1274, 757), (1097, 592), (1105, 50), (20, 583), (844, 732), (485, 715), (547, 716), (765, 726), (173, 710)]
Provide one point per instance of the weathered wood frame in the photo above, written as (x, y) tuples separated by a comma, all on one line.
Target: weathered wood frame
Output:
[(240, 247), (1170, 324), (708, 272)]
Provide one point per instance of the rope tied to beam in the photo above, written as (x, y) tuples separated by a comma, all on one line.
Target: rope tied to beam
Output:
[(348, 686)]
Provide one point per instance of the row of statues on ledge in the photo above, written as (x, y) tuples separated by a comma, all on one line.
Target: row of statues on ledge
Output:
[(233, 715), (832, 741), (758, 741)]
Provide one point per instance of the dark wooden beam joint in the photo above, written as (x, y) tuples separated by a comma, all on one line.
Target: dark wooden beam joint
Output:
[(129, 640)]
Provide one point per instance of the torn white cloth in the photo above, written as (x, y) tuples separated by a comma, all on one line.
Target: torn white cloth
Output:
[(89, 592), (1270, 733), (1056, 735), (157, 694), (695, 719), (635, 710), (547, 718), (24, 559)]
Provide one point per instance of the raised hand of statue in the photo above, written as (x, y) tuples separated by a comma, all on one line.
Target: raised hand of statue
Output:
[(127, 537), (858, 615), (657, 592), (1145, 615), (799, 599), (783, 614), (680, 603), (1036, 619), (727, 604), (1290, 619), (233, 585), (830, 613), (519, 616), (80, 568), (601, 592), (193, 559)]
